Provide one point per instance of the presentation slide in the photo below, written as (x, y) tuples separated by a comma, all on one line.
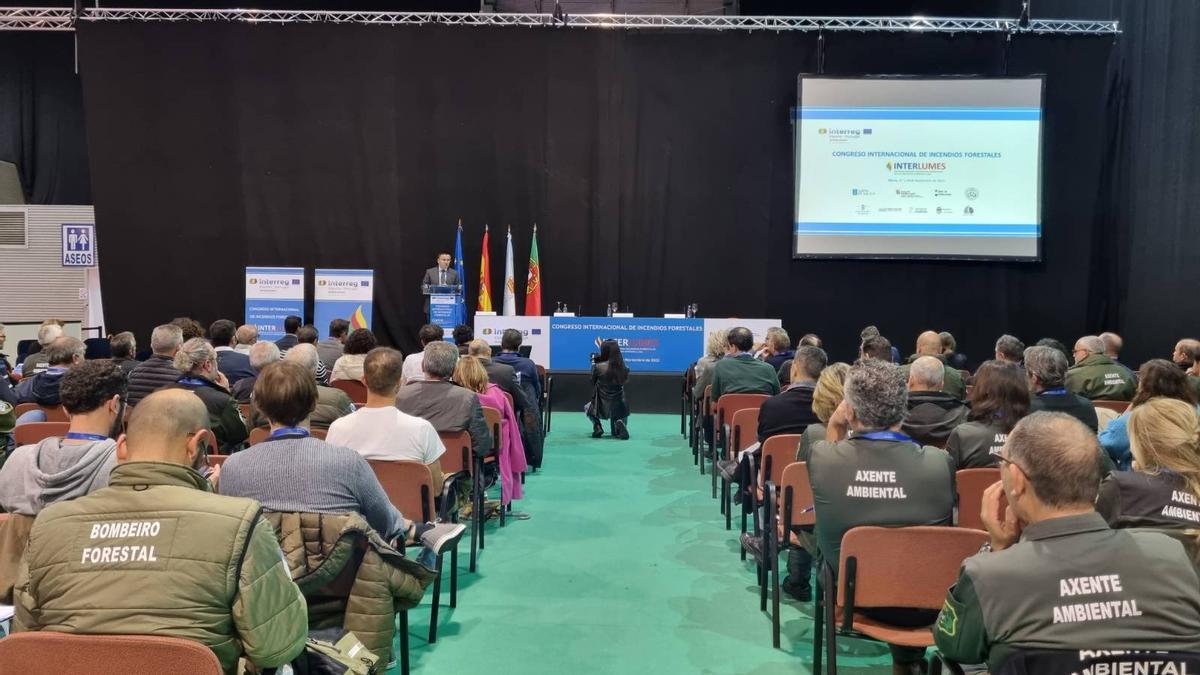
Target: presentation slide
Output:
[(918, 168)]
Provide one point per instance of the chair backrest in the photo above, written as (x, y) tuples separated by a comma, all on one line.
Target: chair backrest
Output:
[(970, 484), (217, 460), (34, 432), (408, 485), (318, 432), (508, 397), (246, 410), (777, 452), (48, 653), (729, 404), (745, 430), (53, 413), (494, 418), (357, 391), (457, 458), (1119, 406), (707, 408), (888, 574), (966, 374), (258, 435), (796, 495), (1105, 417)]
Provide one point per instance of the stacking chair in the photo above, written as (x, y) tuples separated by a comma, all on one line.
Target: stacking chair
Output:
[(357, 391), (788, 504), (409, 487), (970, 484), (247, 411), (723, 411), (318, 432), (53, 413), (547, 387), (495, 423), (50, 653), (35, 432), (458, 465), (744, 433), (776, 454), (1119, 406), (878, 568), (703, 412), (685, 399)]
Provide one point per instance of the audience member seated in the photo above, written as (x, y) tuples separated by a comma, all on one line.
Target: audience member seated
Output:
[(293, 472), (462, 336), (1156, 378), (878, 476), (932, 413), (262, 354), (247, 337), (893, 354), (446, 405), (190, 328), (158, 371), (1112, 349), (1010, 349), (1095, 376), (233, 364), (999, 399), (779, 348), (307, 335), (413, 363), (1046, 373), (500, 374), (1163, 490), (469, 373), (950, 351), (7, 394), (929, 343), (827, 396), (331, 348), (791, 410), (156, 553), (63, 353), (739, 372), (124, 351), (811, 340), (531, 383), (291, 324), (1189, 350), (1054, 576), (380, 430), (332, 403), (48, 332), (715, 346), (1056, 345), (197, 360), (349, 365), (877, 347)]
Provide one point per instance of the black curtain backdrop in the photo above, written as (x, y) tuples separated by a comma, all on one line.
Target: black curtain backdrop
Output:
[(41, 117)]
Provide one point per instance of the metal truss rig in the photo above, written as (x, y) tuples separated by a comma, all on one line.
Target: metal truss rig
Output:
[(59, 19)]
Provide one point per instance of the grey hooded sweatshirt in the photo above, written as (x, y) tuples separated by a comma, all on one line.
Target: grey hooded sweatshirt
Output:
[(54, 470)]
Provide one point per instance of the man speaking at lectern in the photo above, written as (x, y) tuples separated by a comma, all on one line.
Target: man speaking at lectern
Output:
[(442, 275)]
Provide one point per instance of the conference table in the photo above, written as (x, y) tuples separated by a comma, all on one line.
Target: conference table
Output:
[(564, 343)]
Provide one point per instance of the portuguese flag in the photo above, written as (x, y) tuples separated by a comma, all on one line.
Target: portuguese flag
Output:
[(485, 277), (533, 284)]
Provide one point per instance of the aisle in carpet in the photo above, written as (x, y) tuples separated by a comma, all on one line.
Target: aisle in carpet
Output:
[(624, 567)]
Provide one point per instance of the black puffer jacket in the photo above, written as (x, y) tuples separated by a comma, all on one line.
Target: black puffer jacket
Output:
[(932, 415), (153, 374)]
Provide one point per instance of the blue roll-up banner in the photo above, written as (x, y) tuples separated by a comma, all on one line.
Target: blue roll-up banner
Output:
[(273, 294), (648, 345), (343, 294)]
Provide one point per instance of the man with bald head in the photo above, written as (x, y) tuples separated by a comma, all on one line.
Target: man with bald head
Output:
[(1095, 376), (1054, 576), (932, 413), (929, 343), (1113, 344), (157, 553)]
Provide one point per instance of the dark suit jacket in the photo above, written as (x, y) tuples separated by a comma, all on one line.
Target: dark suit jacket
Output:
[(285, 343), (503, 376), (235, 365), (431, 277)]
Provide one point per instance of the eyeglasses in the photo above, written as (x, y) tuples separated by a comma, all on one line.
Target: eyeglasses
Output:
[(1006, 460)]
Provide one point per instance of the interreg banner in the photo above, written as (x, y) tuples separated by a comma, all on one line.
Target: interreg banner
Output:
[(343, 294), (273, 294), (648, 345), (535, 333)]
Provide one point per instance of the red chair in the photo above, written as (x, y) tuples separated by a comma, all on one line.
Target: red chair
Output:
[(723, 411), (409, 487), (457, 465), (258, 435), (1119, 406), (970, 484), (35, 432), (357, 391), (776, 454), (788, 504), (48, 653), (745, 433), (495, 422), (878, 569), (53, 413)]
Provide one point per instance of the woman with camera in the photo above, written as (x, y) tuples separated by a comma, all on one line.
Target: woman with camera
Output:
[(609, 375)]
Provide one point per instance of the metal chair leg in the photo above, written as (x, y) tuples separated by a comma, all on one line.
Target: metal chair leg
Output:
[(454, 576), (437, 599), (404, 643), (818, 623)]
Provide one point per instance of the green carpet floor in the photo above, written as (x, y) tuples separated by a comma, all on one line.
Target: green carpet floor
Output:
[(624, 567)]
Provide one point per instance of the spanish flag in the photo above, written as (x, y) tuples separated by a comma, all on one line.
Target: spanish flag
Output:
[(485, 277), (358, 319), (533, 284)]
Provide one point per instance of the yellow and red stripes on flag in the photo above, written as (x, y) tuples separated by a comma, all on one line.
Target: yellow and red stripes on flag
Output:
[(485, 277), (358, 319)]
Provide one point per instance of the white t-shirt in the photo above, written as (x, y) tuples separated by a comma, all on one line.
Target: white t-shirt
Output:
[(412, 371), (387, 433)]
